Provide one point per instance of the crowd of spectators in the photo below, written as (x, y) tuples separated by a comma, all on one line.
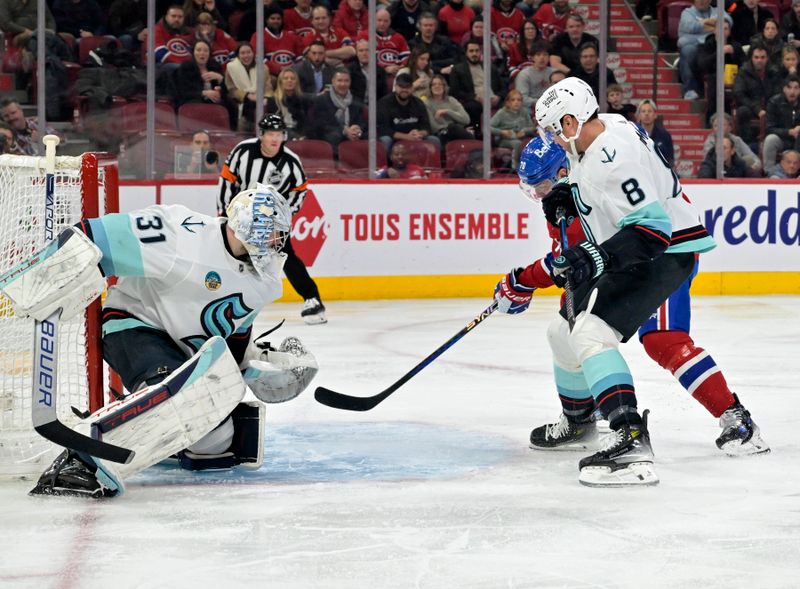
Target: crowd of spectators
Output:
[(430, 77)]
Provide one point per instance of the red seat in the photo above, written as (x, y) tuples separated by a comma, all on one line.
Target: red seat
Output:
[(772, 6), (354, 155), (422, 153), (316, 156), (87, 44), (133, 116), (669, 17), (456, 152), (199, 115)]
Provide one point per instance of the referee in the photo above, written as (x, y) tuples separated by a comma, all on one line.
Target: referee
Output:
[(264, 159)]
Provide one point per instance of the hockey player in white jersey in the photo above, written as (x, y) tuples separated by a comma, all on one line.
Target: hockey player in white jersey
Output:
[(177, 328), (642, 237)]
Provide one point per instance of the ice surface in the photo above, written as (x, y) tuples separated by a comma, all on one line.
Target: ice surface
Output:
[(436, 487)]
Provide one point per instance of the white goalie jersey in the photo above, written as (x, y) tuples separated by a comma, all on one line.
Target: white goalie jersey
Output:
[(177, 275), (624, 177)]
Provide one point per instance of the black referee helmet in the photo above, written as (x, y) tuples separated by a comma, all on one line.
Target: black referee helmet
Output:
[(272, 122)]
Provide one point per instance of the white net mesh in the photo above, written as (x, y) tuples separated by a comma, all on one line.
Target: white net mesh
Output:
[(22, 211)]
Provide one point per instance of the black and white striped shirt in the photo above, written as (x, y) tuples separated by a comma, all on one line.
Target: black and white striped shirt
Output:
[(246, 166)]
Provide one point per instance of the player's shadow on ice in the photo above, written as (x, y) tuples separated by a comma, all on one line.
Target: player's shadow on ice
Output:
[(314, 452)]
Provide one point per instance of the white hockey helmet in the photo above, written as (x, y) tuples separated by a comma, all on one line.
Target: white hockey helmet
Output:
[(261, 219), (570, 96)]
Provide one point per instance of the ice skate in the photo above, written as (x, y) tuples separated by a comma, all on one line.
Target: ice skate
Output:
[(70, 475), (566, 435), (740, 435), (626, 459), (313, 312)]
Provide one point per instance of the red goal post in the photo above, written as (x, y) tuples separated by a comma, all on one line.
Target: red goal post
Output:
[(85, 186)]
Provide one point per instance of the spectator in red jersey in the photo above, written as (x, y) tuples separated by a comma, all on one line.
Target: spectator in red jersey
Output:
[(280, 46), (298, 19), (456, 20), (520, 53), (444, 53), (172, 40), (352, 17), (223, 46), (506, 22), (399, 167), (240, 83), (392, 48), (552, 18), (339, 46), (565, 55), (314, 74)]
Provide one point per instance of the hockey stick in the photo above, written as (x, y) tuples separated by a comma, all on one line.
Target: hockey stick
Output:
[(45, 355), (561, 216), (342, 401)]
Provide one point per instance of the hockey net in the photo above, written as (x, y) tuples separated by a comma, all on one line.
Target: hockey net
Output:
[(85, 186)]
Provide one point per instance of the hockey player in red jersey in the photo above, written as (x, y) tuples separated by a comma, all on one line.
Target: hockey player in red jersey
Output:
[(665, 336)]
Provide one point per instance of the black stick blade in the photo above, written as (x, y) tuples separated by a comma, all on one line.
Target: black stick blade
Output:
[(346, 402), (58, 433)]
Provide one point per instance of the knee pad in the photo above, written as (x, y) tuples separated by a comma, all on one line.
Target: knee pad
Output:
[(591, 336), (558, 336), (669, 349)]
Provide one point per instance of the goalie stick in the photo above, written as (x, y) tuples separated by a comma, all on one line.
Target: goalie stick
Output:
[(561, 216), (45, 356), (350, 403)]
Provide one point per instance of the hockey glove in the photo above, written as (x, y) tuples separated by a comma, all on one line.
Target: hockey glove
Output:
[(559, 197), (511, 296), (582, 262)]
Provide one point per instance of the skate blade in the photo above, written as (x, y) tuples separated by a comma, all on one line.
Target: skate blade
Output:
[(317, 319), (636, 474), (734, 449), (575, 447)]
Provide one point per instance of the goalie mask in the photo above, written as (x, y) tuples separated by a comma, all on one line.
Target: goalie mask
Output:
[(260, 218), (539, 166)]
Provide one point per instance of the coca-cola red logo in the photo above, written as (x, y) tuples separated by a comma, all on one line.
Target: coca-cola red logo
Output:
[(308, 229)]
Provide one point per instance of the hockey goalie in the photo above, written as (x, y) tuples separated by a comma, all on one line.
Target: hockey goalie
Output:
[(177, 327)]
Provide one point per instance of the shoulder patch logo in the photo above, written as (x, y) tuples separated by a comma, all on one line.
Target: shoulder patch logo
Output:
[(213, 281), (610, 156)]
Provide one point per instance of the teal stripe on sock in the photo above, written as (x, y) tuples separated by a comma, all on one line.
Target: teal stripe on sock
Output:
[(606, 369), (571, 384)]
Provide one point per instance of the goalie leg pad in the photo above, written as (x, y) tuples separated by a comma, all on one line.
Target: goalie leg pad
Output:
[(163, 419), (64, 275), (246, 447)]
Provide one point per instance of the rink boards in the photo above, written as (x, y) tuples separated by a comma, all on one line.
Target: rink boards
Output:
[(371, 240)]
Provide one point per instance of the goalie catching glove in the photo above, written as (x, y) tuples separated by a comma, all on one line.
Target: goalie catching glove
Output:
[(64, 275), (278, 375), (511, 296)]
